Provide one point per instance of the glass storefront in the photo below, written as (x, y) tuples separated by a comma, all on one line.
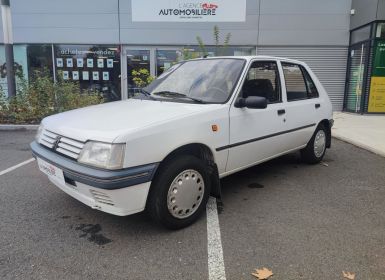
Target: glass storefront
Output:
[(365, 87), (99, 66)]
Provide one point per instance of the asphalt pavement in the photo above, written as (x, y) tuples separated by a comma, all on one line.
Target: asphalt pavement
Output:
[(301, 221)]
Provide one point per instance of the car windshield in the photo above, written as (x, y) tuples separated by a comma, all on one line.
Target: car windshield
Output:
[(198, 81)]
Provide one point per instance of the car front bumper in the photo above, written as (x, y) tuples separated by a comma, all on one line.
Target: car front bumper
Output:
[(119, 192)]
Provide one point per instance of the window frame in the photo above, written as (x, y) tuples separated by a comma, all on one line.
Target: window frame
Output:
[(302, 69), (278, 77)]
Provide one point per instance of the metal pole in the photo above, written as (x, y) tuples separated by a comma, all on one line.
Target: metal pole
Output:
[(8, 45)]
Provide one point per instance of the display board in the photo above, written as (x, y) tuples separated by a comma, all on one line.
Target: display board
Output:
[(377, 84), (188, 11), (94, 67)]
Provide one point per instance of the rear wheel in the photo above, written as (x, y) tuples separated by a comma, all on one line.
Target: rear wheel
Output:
[(179, 192), (316, 148)]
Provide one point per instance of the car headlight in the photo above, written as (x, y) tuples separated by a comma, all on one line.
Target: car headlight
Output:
[(38, 133), (103, 155)]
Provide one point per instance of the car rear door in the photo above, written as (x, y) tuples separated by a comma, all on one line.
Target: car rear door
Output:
[(255, 133), (302, 104)]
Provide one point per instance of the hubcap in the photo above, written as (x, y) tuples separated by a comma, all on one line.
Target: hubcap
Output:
[(319, 143), (185, 194)]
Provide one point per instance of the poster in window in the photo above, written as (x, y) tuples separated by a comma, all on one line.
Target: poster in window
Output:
[(110, 63), (100, 63), (106, 76), (59, 62), (145, 57), (65, 75), (79, 62), (95, 75), (90, 62), (85, 76), (69, 62), (75, 75)]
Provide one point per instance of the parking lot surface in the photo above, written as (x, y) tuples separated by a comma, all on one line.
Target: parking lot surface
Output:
[(301, 221)]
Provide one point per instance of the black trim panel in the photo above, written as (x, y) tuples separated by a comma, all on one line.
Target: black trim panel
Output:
[(96, 177), (263, 137)]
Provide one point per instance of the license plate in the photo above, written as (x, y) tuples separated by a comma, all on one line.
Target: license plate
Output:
[(51, 170)]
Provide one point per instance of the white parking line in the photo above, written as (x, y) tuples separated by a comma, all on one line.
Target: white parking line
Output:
[(214, 242), (16, 166)]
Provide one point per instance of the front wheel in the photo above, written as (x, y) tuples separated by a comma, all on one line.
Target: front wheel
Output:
[(179, 192), (316, 148)]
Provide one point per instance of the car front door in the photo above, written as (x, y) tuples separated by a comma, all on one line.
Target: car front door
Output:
[(254, 133)]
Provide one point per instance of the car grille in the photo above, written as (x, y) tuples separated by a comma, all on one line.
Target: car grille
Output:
[(61, 144)]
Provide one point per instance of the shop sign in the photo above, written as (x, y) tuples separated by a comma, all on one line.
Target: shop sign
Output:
[(377, 95), (188, 11), (377, 84)]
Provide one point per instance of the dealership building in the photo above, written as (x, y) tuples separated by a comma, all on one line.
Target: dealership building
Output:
[(99, 43)]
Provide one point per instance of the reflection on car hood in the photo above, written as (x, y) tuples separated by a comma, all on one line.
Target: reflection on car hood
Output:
[(107, 121)]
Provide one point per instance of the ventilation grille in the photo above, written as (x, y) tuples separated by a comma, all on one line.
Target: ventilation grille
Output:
[(61, 144), (102, 197)]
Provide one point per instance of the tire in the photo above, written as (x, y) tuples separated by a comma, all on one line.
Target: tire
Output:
[(179, 192), (316, 148)]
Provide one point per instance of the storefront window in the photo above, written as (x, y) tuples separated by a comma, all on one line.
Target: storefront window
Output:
[(21, 67), (165, 59), (360, 35), (380, 32), (94, 67), (138, 61), (39, 58), (190, 52)]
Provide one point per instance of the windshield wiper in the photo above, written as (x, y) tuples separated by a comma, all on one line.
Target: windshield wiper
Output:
[(172, 94), (146, 93)]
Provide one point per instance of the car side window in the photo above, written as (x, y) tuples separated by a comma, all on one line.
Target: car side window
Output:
[(299, 84), (263, 80), (312, 91)]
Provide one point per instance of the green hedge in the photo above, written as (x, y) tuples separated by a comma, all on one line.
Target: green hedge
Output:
[(40, 97)]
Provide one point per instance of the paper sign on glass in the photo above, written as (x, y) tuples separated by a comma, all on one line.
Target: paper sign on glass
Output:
[(75, 75), (69, 62), (85, 76), (65, 75), (106, 76), (90, 62), (100, 63), (95, 76), (110, 63), (59, 62), (79, 62)]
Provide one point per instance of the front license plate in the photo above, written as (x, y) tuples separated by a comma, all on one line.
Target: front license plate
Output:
[(51, 170)]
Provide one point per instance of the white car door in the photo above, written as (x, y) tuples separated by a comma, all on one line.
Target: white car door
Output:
[(302, 105), (255, 134)]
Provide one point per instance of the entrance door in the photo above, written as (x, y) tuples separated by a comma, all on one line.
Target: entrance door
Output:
[(138, 67), (358, 62)]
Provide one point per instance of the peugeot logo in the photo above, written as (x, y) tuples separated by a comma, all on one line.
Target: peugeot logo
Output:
[(56, 143)]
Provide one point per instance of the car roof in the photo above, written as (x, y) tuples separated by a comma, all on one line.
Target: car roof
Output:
[(255, 57)]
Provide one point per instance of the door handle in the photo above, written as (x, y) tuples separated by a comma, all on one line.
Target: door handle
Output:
[(281, 111), (317, 105)]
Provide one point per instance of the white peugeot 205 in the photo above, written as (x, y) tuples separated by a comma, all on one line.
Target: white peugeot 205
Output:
[(165, 149)]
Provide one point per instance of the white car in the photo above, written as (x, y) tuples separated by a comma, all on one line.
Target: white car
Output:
[(165, 149)]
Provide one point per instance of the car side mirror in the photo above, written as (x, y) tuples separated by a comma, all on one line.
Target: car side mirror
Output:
[(251, 102)]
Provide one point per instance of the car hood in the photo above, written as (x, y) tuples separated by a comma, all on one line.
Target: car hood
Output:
[(105, 122)]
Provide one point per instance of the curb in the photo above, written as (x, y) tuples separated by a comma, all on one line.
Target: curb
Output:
[(18, 127), (359, 145)]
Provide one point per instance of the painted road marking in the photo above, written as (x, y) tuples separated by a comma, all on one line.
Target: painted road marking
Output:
[(214, 242), (16, 166)]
